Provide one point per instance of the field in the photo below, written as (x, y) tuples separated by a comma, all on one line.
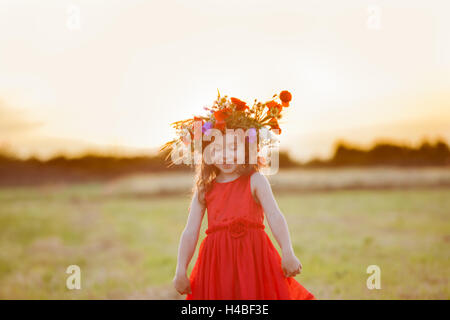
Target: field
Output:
[(124, 235)]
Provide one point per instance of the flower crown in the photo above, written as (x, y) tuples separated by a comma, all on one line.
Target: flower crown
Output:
[(233, 113)]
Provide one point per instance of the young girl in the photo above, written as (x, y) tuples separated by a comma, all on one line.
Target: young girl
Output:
[(237, 259)]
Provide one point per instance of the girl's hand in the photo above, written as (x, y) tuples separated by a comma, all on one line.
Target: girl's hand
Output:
[(291, 265), (182, 284)]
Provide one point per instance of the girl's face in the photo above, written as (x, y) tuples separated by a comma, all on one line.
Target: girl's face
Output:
[(225, 156)]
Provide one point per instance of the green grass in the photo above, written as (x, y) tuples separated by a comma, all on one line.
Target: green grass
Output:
[(127, 246)]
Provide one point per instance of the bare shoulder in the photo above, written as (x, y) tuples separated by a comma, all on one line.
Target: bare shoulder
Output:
[(198, 198), (258, 180), (261, 188)]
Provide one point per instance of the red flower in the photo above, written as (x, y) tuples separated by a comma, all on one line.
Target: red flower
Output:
[(237, 228), (240, 105), (198, 119), (220, 124), (273, 123), (196, 136), (221, 115), (273, 106), (285, 97)]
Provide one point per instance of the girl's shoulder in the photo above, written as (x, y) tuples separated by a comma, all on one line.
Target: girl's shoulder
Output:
[(259, 184), (256, 175), (257, 179)]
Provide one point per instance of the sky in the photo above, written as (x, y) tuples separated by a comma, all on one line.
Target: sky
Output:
[(112, 75)]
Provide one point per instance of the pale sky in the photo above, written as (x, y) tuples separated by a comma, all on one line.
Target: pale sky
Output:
[(358, 70)]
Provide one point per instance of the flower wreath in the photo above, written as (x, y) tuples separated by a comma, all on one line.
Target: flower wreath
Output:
[(233, 113)]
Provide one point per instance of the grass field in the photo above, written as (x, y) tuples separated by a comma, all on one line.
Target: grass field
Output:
[(126, 245)]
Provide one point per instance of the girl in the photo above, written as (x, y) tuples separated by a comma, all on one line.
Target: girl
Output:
[(237, 259)]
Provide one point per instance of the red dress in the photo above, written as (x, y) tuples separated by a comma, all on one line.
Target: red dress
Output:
[(236, 259)]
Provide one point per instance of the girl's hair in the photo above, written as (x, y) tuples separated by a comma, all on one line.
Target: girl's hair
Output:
[(206, 173)]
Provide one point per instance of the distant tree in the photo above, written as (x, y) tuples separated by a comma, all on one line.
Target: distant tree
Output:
[(92, 166), (384, 153), (285, 160)]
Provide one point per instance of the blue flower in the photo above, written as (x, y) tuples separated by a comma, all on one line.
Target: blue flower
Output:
[(252, 135), (206, 126)]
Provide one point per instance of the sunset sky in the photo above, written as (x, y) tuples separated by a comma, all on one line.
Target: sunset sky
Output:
[(130, 68)]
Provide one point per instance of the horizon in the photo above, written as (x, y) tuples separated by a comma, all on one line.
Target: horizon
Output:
[(114, 152), (116, 80)]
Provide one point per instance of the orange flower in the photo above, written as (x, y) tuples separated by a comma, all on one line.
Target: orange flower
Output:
[(221, 115), (240, 105), (285, 97), (272, 105), (198, 119), (273, 123), (220, 124), (197, 137)]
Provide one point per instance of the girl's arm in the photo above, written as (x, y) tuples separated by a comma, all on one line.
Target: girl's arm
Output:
[(187, 245), (277, 222)]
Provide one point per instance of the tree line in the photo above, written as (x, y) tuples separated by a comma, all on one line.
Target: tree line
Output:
[(95, 167), (388, 154)]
